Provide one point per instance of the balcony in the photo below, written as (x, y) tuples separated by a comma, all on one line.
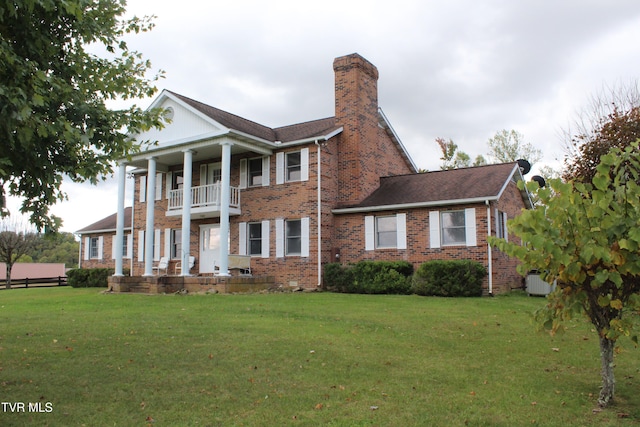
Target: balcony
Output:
[(205, 201)]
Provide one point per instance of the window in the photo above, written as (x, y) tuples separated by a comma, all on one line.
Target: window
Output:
[(177, 180), (501, 224), (94, 251), (255, 172), (176, 244), (453, 228), (293, 166), (255, 238), (386, 232), (293, 237), (125, 246)]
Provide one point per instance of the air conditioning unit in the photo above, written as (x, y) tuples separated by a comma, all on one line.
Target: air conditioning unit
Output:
[(536, 286)]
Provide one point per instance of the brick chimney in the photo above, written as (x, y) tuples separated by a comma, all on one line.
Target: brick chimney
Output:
[(356, 97)]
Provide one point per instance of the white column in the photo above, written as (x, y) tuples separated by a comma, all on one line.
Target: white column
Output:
[(119, 240), (225, 192), (149, 232), (186, 210)]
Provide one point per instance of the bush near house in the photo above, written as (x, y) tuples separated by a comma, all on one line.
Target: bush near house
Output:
[(449, 278), (369, 277), (90, 277)]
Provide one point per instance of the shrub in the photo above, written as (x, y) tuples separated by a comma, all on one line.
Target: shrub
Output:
[(337, 278), (452, 278), (89, 277), (369, 277)]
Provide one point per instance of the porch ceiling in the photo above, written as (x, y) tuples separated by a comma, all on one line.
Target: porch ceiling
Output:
[(205, 149)]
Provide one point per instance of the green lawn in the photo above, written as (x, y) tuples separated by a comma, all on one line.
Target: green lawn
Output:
[(298, 359)]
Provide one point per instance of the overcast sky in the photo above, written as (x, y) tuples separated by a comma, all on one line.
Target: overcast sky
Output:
[(455, 69)]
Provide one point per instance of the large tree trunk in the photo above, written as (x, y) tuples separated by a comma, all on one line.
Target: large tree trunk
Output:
[(608, 379)]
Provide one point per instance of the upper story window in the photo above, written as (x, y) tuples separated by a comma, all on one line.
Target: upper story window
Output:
[(293, 167), (177, 180), (255, 172)]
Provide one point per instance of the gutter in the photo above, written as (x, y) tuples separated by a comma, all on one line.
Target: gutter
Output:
[(319, 206), (361, 209)]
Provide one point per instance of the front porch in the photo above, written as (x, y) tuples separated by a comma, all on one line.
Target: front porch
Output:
[(193, 284)]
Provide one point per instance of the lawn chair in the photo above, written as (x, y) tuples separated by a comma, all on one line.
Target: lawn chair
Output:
[(162, 265), (192, 262)]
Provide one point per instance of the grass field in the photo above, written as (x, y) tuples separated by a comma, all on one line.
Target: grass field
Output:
[(95, 359)]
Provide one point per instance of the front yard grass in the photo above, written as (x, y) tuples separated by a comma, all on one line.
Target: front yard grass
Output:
[(300, 360)]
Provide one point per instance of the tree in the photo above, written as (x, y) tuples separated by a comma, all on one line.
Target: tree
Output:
[(15, 242), (508, 146), (612, 119), (452, 158), (54, 91), (56, 248), (587, 237)]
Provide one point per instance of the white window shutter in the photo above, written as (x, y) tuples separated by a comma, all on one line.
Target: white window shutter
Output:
[(266, 171), (143, 189), (113, 247), (401, 231), (158, 195), (279, 238), (156, 244), (434, 229), (100, 247), (242, 238), (129, 246), (167, 243), (169, 181), (243, 174), (87, 247), (140, 245), (369, 233), (470, 226), (304, 164), (304, 250), (280, 168), (265, 239), (504, 222)]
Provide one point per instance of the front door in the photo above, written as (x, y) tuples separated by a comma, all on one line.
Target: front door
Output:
[(209, 246)]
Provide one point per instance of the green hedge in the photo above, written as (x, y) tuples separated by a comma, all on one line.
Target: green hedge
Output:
[(452, 278), (90, 277), (369, 277)]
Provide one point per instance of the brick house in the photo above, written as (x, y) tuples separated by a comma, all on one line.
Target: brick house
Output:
[(294, 198)]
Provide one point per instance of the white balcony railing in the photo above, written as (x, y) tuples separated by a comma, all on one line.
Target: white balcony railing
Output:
[(204, 196)]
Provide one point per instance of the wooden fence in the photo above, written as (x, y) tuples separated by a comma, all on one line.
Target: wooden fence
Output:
[(36, 282)]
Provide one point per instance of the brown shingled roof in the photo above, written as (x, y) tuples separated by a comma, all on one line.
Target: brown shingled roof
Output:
[(289, 133), (108, 223), (441, 186)]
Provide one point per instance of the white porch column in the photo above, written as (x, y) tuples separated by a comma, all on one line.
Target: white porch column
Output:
[(225, 193), (119, 241), (187, 173), (148, 234)]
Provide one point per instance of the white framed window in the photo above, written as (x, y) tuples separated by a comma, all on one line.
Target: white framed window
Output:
[(452, 228), (501, 225), (292, 166), (94, 245), (292, 237), (254, 238), (254, 172), (385, 232), (176, 243)]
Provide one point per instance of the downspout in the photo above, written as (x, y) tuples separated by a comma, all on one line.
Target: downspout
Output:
[(319, 173), (489, 256)]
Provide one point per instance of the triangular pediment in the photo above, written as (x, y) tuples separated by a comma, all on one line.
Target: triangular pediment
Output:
[(186, 123)]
